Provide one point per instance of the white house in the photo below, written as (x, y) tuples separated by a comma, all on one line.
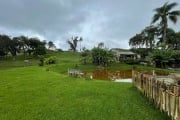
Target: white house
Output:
[(124, 54)]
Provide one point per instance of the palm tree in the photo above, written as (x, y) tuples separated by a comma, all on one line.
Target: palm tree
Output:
[(136, 41), (164, 13), (73, 42), (148, 36)]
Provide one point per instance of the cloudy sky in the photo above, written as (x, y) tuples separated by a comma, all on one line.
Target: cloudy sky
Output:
[(110, 21)]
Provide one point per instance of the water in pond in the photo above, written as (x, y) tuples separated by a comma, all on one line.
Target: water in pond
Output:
[(110, 74), (105, 74)]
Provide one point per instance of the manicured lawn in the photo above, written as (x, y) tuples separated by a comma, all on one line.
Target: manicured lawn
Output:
[(32, 93)]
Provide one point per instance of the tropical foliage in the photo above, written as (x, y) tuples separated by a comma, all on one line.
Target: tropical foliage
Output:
[(73, 43), (51, 60), (101, 56), (159, 42), (165, 13)]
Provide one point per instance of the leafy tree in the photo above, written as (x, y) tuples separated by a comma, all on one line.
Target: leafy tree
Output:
[(173, 39), (4, 44), (14, 46), (34, 43), (164, 13), (100, 45), (51, 60), (40, 50), (161, 57), (101, 56), (17, 44), (51, 45), (23, 43)]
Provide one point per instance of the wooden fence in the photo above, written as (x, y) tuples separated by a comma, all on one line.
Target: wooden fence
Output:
[(75, 73), (165, 96)]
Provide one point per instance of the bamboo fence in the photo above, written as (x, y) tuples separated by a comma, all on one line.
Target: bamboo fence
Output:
[(165, 96)]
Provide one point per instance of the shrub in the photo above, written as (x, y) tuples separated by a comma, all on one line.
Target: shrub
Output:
[(41, 60), (101, 56), (130, 61), (51, 60)]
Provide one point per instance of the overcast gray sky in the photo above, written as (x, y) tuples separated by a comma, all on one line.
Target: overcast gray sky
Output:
[(110, 21)]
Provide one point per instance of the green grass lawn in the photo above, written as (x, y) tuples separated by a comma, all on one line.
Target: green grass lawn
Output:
[(32, 93)]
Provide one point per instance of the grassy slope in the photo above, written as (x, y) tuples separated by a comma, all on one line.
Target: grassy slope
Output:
[(32, 93), (69, 60)]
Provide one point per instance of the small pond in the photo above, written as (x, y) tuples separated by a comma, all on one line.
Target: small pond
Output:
[(105, 74)]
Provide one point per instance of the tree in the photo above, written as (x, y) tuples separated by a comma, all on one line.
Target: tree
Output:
[(173, 39), (40, 50), (73, 43), (51, 45), (136, 41), (100, 45), (164, 13), (14, 46), (34, 43), (23, 43), (148, 36), (160, 57), (177, 41), (170, 38), (4, 44), (101, 56)]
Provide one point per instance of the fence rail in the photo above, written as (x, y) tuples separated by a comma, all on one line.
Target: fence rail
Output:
[(165, 95)]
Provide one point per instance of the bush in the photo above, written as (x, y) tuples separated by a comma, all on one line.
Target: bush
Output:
[(101, 56), (130, 61), (41, 60), (51, 60)]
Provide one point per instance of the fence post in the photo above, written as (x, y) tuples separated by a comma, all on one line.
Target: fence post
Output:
[(169, 102), (164, 96)]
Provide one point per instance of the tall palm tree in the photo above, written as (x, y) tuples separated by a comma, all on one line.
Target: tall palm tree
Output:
[(164, 13), (73, 43)]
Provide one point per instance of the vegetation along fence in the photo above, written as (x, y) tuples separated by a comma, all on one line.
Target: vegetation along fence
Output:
[(163, 91)]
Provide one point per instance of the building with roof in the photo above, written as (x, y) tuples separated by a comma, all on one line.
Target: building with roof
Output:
[(124, 54)]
